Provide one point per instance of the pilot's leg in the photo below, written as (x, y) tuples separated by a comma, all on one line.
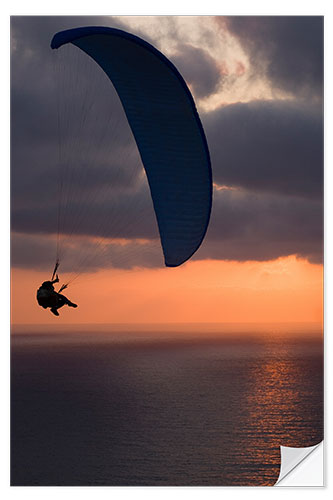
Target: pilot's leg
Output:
[(64, 300), (58, 303)]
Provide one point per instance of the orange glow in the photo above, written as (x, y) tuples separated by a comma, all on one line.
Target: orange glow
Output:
[(284, 290)]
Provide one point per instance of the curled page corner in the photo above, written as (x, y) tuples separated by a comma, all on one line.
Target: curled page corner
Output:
[(301, 466)]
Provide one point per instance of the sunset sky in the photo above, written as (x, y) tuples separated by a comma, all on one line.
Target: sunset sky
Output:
[(257, 83)]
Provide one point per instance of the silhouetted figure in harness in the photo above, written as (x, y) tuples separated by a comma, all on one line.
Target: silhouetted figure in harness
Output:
[(48, 297)]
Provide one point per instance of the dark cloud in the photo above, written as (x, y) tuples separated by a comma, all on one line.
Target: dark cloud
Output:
[(249, 226), (268, 146), (288, 48), (198, 68), (107, 214), (82, 254)]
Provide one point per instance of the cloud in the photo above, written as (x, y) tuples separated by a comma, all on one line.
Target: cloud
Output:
[(83, 254), (250, 226), (109, 213), (198, 68), (288, 49), (268, 146)]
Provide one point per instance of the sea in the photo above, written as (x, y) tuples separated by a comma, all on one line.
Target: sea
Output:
[(162, 405)]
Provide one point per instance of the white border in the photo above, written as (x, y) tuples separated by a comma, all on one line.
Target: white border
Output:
[(143, 7)]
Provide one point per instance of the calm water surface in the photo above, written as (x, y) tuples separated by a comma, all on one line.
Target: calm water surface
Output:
[(125, 409)]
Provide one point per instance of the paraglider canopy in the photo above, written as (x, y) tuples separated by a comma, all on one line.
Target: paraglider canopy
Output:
[(167, 129)]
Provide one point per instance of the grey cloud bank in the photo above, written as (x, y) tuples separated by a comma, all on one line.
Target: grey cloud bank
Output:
[(268, 146)]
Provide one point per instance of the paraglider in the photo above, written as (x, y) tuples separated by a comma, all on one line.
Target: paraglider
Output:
[(165, 124)]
